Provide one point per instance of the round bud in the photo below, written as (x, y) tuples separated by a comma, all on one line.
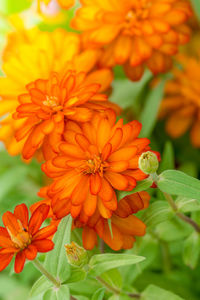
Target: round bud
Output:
[(148, 162), (76, 255)]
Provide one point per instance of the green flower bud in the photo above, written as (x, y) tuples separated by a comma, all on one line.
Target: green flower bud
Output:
[(76, 255), (148, 162)]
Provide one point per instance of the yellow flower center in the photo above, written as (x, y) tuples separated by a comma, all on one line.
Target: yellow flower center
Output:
[(93, 166), (22, 239), (51, 101)]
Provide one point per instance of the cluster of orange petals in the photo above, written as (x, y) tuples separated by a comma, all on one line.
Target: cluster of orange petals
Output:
[(135, 33), (45, 70), (181, 105), (50, 103), (23, 237), (124, 226), (96, 158)]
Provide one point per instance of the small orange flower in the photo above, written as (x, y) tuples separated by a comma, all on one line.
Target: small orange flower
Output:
[(135, 33), (181, 105), (23, 237), (50, 103), (33, 56), (125, 226), (97, 158)]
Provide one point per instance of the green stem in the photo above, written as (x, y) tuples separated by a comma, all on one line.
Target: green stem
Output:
[(179, 214), (51, 278), (114, 290)]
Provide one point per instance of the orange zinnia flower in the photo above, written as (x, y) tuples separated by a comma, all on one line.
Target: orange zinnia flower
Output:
[(125, 226), (50, 103), (29, 60), (181, 105), (96, 158), (23, 237), (135, 33)]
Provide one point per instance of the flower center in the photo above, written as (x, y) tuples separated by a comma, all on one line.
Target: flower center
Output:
[(93, 166), (22, 239), (51, 101), (134, 17)]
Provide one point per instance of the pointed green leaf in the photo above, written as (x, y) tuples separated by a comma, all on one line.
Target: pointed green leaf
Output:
[(56, 260), (157, 213), (61, 293), (101, 263), (149, 114), (167, 161), (153, 292), (191, 250), (187, 205), (40, 286), (178, 183), (113, 278), (99, 294)]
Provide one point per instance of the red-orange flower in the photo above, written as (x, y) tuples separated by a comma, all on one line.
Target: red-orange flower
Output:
[(50, 103), (125, 226), (181, 104), (97, 158), (22, 237), (135, 33)]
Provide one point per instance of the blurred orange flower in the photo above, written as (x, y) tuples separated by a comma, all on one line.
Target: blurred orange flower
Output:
[(33, 56), (135, 33), (125, 226), (181, 105), (96, 158), (22, 237)]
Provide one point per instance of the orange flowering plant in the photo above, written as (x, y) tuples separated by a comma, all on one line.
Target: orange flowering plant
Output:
[(118, 214)]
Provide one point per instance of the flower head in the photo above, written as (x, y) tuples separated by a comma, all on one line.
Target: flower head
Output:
[(29, 60), (96, 158), (181, 104), (148, 162), (135, 33), (22, 237), (50, 103), (124, 226), (76, 255)]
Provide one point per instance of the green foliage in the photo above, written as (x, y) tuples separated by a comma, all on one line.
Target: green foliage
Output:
[(178, 183), (156, 213), (101, 263), (153, 292), (167, 161), (99, 294), (57, 294), (149, 114), (56, 260), (191, 250)]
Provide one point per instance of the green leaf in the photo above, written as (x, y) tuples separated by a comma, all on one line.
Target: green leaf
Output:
[(76, 274), (99, 294), (56, 260), (153, 292), (16, 6), (167, 161), (191, 250), (113, 278), (141, 186), (101, 263), (40, 286), (196, 6), (84, 288), (57, 294), (178, 183), (157, 213), (149, 114), (126, 92), (187, 205)]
